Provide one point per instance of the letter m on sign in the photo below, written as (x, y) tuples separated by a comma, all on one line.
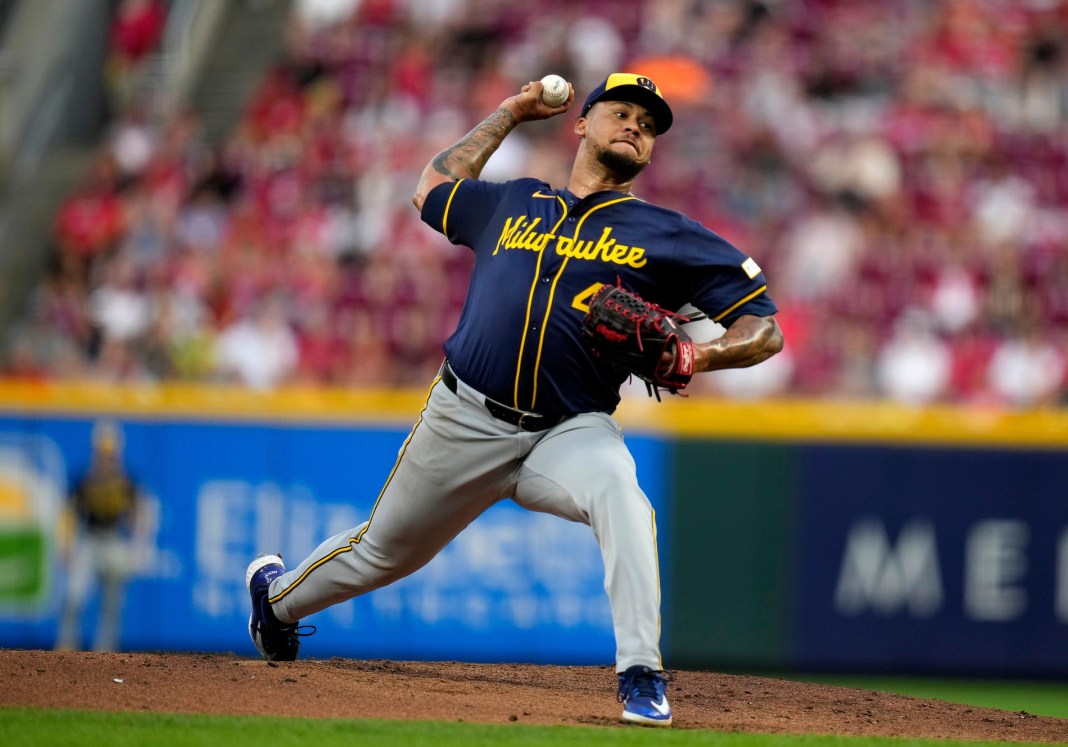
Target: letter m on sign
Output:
[(889, 578)]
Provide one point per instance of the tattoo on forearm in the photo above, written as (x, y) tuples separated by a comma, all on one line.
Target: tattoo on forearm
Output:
[(466, 159), (748, 342)]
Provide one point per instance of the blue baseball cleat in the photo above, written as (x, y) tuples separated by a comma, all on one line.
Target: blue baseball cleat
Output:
[(276, 641), (643, 693)]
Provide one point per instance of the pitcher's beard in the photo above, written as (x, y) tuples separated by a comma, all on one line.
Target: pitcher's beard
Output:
[(621, 165)]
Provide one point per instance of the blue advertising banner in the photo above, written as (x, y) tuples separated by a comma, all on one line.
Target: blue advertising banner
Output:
[(932, 559), (515, 586)]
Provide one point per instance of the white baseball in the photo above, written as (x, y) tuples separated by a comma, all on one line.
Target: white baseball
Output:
[(555, 90)]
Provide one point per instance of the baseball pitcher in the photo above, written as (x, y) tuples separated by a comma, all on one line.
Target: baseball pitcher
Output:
[(572, 291)]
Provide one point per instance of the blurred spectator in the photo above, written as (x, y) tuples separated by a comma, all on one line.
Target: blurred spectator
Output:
[(1004, 205), (820, 253), (318, 15), (971, 350), (132, 141), (136, 30), (914, 365), (118, 306), (955, 298), (259, 350), (1026, 370), (862, 168), (90, 221)]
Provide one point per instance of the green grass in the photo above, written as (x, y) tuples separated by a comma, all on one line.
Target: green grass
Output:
[(30, 727), (1039, 698)]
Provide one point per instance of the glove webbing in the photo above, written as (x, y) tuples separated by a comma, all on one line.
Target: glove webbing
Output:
[(638, 317), (639, 314)]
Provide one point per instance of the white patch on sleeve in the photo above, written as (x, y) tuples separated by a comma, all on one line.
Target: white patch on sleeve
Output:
[(752, 269)]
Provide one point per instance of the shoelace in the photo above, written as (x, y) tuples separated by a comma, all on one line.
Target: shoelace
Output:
[(648, 684), (293, 632)]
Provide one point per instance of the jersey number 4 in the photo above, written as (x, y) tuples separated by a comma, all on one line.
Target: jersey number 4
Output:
[(581, 301)]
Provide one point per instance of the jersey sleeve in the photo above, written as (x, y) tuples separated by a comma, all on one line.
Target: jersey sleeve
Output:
[(725, 282), (460, 210)]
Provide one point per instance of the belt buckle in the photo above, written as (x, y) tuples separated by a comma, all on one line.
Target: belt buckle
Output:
[(523, 416)]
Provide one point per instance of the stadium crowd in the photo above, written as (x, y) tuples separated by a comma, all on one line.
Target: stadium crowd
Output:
[(898, 168)]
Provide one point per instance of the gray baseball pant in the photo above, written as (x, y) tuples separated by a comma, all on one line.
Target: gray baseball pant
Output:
[(457, 462)]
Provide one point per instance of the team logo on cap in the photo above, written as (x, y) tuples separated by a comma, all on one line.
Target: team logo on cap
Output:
[(630, 79)]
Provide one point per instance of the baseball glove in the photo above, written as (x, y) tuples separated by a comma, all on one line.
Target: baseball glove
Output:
[(622, 328)]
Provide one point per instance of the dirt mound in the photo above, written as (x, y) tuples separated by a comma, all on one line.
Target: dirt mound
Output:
[(487, 693)]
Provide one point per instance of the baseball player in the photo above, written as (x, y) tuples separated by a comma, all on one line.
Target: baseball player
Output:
[(103, 519), (522, 408)]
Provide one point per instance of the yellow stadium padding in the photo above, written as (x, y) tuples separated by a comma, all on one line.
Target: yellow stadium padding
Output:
[(690, 417)]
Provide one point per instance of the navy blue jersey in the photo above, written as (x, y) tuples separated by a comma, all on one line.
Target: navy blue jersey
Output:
[(540, 253)]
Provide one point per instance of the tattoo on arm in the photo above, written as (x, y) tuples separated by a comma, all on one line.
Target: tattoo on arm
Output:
[(748, 341), (467, 158)]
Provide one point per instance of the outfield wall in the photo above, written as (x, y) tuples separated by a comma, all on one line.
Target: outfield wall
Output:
[(793, 535), (862, 558)]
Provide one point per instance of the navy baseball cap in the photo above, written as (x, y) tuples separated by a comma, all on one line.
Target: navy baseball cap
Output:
[(637, 89)]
